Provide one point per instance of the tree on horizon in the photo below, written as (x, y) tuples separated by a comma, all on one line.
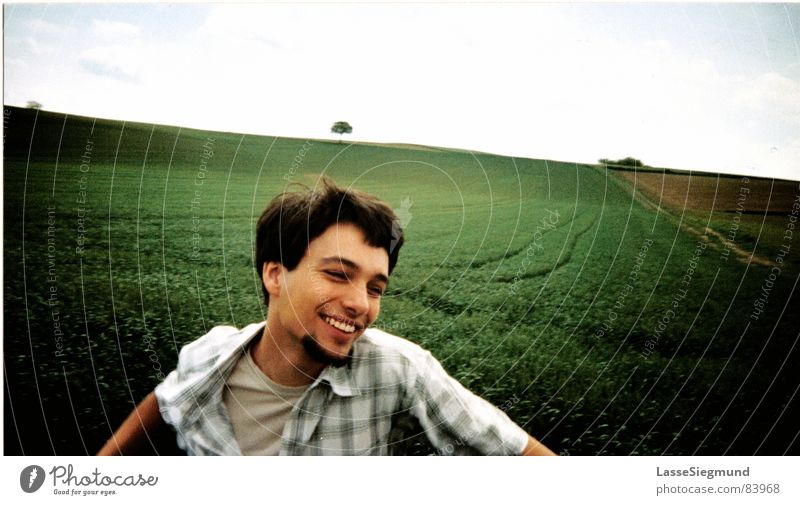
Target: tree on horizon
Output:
[(341, 127)]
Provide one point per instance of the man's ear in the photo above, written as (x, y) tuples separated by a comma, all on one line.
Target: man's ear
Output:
[(271, 276)]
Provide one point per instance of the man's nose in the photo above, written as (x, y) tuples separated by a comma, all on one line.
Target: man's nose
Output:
[(356, 300)]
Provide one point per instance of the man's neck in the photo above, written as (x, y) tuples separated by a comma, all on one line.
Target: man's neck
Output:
[(284, 361)]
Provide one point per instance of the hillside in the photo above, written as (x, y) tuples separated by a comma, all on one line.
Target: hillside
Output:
[(599, 322)]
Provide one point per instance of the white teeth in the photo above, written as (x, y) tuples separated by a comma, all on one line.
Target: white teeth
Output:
[(340, 325)]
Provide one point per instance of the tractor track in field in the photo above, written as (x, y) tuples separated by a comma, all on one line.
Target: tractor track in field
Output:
[(453, 308), (563, 259), (515, 252)]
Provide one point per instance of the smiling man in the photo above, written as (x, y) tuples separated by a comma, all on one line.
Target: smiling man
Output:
[(314, 378)]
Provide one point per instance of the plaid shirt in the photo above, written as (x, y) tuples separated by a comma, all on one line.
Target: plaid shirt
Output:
[(356, 409)]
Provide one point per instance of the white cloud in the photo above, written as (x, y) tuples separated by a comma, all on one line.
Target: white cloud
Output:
[(773, 93), (114, 29), (242, 25), (661, 44), (118, 61), (37, 47), (19, 62), (42, 27)]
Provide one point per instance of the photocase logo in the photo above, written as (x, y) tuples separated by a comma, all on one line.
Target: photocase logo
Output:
[(399, 224), (31, 478)]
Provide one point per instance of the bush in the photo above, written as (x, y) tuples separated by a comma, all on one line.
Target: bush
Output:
[(625, 162)]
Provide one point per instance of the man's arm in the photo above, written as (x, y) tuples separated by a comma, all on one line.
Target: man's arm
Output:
[(536, 448), (143, 422), (456, 421)]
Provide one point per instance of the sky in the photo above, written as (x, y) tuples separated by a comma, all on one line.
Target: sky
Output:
[(709, 87)]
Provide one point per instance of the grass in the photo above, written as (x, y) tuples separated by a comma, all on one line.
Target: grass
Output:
[(510, 304)]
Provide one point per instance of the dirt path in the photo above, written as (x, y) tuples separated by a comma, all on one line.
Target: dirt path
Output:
[(713, 238)]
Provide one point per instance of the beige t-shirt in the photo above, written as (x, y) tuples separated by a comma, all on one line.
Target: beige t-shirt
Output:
[(258, 407)]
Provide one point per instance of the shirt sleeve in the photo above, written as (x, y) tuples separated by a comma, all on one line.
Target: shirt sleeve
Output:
[(180, 392), (455, 420)]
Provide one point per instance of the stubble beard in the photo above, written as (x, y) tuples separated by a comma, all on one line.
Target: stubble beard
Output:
[(321, 355)]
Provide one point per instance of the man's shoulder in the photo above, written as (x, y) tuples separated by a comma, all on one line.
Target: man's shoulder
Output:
[(378, 342), (383, 362), (219, 341)]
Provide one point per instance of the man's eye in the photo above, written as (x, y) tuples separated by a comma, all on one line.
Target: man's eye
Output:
[(376, 291), (336, 274)]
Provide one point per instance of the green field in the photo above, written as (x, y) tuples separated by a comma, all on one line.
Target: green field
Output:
[(598, 324)]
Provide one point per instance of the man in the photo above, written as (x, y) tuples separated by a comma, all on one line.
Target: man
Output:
[(314, 378)]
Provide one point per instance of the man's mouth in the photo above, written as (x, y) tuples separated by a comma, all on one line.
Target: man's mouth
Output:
[(341, 323)]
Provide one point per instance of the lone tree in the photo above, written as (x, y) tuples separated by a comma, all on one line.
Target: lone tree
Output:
[(32, 104), (341, 127)]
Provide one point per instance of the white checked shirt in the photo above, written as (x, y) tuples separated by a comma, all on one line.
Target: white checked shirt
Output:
[(349, 410)]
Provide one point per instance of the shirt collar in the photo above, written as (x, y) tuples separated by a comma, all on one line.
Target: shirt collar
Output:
[(240, 344), (340, 378)]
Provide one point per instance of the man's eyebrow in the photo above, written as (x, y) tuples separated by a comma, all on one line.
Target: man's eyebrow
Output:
[(351, 265)]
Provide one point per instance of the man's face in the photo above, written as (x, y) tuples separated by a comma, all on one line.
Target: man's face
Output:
[(333, 294)]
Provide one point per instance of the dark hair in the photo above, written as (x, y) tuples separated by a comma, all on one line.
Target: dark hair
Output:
[(294, 218)]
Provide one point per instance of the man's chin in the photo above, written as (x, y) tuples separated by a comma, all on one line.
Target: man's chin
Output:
[(321, 355)]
